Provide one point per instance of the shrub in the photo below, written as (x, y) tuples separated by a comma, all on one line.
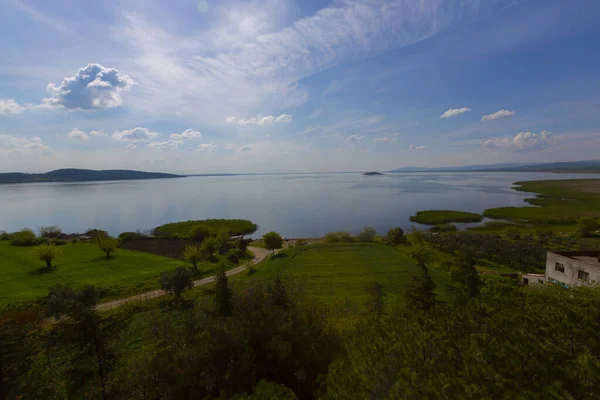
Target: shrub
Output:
[(210, 245), (94, 233), (586, 227), (200, 233), (50, 231), (512, 233), (177, 281), (395, 236), (272, 241), (301, 242), (47, 253), (251, 267), (193, 253), (337, 237), (24, 237), (107, 244), (4, 236), (367, 235), (236, 255), (132, 236), (56, 242), (444, 228)]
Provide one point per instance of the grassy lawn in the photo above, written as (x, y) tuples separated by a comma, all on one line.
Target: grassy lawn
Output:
[(437, 217), (558, 202), (24, 278), (337, 273)]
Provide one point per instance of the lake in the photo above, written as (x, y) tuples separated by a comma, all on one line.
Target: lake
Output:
[(296, 205)]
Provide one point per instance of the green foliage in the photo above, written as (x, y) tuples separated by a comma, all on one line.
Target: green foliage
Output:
[(193, 254), (272, 241), (512, 233), (222, 296), (376, 305), (50, 231), (468, 279), (107, 244), (587, 226), (367, 235), (443, 228), (133, 236), (201, 232), (438, 217), (338, 237), (47, 253), (210, 245), (268, 391), (25, 237), (96, 233), (236, 255), (4, 236), (177, 281), (185, 229), (395, 236), (301, 242)]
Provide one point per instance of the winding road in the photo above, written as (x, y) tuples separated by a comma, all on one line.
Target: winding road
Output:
[(259, 255)]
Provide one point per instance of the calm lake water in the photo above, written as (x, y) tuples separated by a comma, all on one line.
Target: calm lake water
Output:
[(296, 205)]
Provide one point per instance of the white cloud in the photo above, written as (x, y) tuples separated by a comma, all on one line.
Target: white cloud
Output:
[(168, 145), (92, 88), (13, 145), (78, 134), (245, 148), (135, 134), (207, 146), (10, 106), (417, 148), (36, 139), (334, 86), (260, 120), (316, 112), (187, 134), (498, 114), (131, 146), (355, 138), (383, 139), (99, 133), (522, 142), (375, 119), (455, 112)]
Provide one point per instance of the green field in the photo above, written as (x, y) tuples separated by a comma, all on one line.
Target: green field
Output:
[(340, 273), (559, 202), (186, 228), (24, 278), (438, 217)]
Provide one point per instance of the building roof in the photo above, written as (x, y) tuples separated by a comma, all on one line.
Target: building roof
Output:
[(590, 257)]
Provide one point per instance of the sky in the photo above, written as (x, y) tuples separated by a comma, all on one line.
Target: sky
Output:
[(206, 86)]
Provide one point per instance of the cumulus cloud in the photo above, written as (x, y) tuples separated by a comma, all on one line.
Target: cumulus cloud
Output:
[(78, 134), (135, 134), (10, 106), (417, 148), (13, 145), (168, 145), (355, 138), (91, 88), (245, 148), (384, 139), (498, 114), (455, 112), (260, 120), (97, 133), (187, 134), (521, 142), (208, 146)]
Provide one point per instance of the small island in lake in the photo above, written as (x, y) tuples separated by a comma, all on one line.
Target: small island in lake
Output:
[(82, 175), (372, 173)]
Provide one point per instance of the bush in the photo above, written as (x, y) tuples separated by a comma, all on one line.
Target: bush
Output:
[(95, 233), (56, 242), (4, 236), (47, 253), (107, 244), (193, 254), (200, 233), (367, 235), (133, 236), (301, 242), (395, 236), (337, 237), (177, 281), (586, 227), (50, 231), (24, 237), (444, 228), (512, 233)]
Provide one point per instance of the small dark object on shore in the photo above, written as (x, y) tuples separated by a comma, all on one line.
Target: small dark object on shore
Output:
[(372, 173)]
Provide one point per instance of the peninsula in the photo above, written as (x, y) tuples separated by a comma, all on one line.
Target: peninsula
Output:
[(82, 175)]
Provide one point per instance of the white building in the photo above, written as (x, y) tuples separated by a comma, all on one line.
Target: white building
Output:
[(573, 268)]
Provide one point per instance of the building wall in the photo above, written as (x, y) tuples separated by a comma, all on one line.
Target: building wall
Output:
[(569, 277)]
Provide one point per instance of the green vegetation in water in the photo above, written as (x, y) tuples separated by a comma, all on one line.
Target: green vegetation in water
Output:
[(560, 202), (439, 217), (186, 229)]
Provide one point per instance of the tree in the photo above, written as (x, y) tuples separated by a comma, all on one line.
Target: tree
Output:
[(395, 236), (47, 253), (107, 244), (273, 241), (377, 303), (193, 253), (200, 233), (176, 282), (50, 231), (367, 235), (210, 245), (421, 291), (25, 237), (586, 226), (467, 277), (222, 295)]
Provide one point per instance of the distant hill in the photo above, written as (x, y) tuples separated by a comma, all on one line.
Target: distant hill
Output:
[(564, 167), (82, 175)]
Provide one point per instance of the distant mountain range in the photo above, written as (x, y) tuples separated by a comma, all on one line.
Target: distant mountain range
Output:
[(82, 175), (564, 167)]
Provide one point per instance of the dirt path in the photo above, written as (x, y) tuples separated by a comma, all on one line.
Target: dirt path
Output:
[(259, 255)]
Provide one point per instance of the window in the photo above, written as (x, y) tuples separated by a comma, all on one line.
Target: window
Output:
[(559, 267), (582, 275)]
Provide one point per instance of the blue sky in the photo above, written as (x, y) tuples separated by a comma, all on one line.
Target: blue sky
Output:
[(201, 86)]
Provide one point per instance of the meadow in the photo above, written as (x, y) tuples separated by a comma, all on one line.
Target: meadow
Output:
[(24, 278)]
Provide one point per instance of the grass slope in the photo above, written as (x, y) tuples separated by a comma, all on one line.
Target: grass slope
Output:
[(186, 228), (558, 202), (337, 273), (437, 217), (24, 278)]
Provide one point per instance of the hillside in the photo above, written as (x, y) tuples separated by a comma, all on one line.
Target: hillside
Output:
[(557, 167), (82, 175)]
